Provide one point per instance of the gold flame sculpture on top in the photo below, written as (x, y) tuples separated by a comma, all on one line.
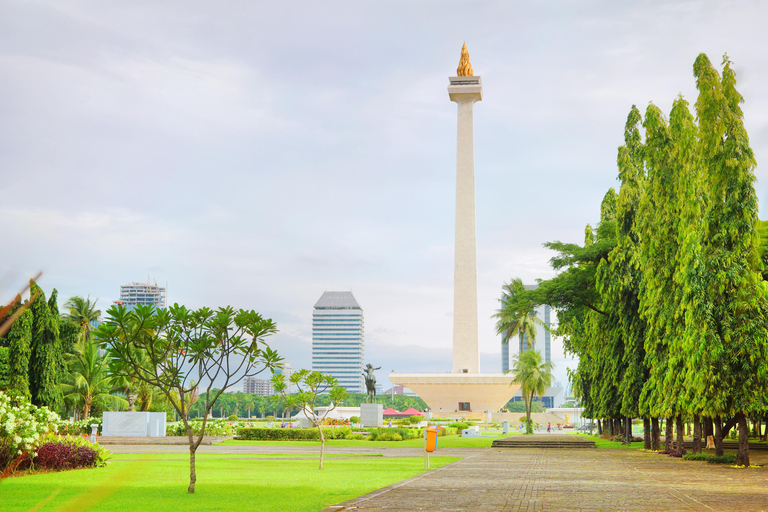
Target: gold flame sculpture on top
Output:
[(465, 68)]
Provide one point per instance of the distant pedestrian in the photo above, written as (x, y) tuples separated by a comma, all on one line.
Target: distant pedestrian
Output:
[(549, 427), (389, 424)]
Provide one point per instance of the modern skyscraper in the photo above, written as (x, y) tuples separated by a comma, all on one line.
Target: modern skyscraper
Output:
[(337, 339), (142, 293)]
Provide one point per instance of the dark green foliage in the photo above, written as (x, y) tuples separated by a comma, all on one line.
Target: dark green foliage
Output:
[(4, 368), (46, 363), (292, 434), (19, 352), (404, 433), (728, 458), (459, 425)]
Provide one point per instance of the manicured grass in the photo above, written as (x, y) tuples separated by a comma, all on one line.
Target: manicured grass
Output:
[(207, 456), (605, 443), (452, 441), (222, 484)]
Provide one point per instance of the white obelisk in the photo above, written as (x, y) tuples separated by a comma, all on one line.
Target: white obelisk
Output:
[(465, 90)]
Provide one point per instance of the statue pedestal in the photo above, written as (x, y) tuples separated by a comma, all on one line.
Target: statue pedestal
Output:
[(371, 415)]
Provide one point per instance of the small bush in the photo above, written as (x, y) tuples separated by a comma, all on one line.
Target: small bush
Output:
[(354, 419), (459, 425), (415, 419), (403, 433), (58, 453), (728, 458), (387, 436), (357, 437), (233, 417), (291, 434)]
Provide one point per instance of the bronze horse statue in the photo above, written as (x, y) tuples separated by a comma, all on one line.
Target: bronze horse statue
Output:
[(370, 382)]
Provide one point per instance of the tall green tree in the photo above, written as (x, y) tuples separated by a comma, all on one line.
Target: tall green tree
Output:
[(726, 340), (46, 359), (19, 352), (534, 377), (82, 312), (89, 382)]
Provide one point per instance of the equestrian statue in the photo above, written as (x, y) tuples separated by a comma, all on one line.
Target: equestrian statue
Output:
[(370, 382)]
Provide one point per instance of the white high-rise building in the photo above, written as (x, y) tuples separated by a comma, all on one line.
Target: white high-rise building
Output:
[(337, 339), (142, 293)]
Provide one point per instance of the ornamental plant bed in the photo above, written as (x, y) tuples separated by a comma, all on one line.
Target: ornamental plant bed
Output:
[(291, 434)]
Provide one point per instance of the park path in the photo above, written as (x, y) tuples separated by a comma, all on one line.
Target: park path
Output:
[(527, 479)]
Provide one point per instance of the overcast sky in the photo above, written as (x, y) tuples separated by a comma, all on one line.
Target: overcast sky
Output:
[(259, 153)]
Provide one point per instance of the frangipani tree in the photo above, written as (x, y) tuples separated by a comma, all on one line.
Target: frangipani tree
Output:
[(188, 353), (310, 386)]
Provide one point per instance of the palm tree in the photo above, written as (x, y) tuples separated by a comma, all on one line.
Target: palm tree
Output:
[(516, 316), (89, 382), (534, 376), (82, 312)]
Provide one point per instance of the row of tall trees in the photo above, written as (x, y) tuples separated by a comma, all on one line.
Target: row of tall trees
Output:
[(52, 359), (665, 302)]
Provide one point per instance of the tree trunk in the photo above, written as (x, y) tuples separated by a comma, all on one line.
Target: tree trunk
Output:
[(718, 436), (192, 473), (680, 435), (627, 430), (707, 427), (646, 433), (322, 444), (599, 427), (696, 434), (655, 435), (742, 459), (668, 433)]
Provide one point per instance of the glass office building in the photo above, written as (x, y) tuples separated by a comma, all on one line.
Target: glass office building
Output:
[(337, 339)]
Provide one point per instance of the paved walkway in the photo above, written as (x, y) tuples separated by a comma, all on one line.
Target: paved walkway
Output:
[(533, 479), (508, 480)]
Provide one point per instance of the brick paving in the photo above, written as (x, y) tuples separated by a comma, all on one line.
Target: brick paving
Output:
[(509, 480)]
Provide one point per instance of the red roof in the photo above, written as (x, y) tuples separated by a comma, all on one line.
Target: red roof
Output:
[(411, 412), (389, 410)]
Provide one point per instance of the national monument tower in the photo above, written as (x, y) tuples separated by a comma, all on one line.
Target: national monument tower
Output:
[(465, 389)]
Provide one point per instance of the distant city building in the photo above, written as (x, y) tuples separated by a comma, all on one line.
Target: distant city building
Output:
[(337, 339), (287, 371), (397, 390), (553, 397), (142, 293), (543, 341), (261, 387)]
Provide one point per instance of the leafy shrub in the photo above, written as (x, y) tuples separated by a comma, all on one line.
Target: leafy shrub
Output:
[(60, 453), (387, 436), (21, 427), (459, 425), (212, 428), (357, 437), (291, 434), (79, 427), (233, 417), (354, 419), (728, 458), (404, 433), (415, 419)]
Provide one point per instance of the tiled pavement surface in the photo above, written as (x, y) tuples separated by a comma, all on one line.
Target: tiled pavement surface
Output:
[(584, 480)]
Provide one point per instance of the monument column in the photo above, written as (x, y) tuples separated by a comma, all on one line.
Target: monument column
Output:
[(465, 89)]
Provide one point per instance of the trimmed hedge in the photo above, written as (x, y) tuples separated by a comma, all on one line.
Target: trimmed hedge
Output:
[(404, 433), (291, 434)]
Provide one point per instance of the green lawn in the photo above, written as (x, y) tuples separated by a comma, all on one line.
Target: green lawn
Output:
[(452, 441), (222, 484)]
